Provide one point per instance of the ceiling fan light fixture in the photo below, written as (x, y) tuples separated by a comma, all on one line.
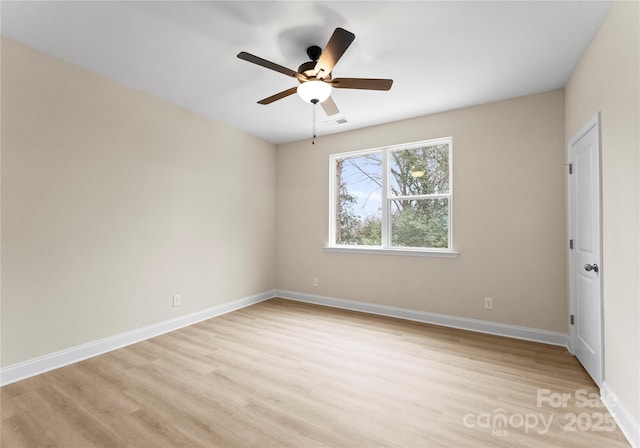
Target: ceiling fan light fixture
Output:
[(314, 90)]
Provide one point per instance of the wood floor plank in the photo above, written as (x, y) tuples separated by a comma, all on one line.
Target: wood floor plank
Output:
[(284, 373)]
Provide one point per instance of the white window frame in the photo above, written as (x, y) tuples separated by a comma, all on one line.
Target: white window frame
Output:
[(387, 197)]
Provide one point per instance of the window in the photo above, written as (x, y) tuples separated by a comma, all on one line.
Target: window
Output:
[(393, 198)]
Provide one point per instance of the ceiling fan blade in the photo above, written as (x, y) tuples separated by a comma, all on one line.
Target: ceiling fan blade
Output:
[(329, 107), (270, 65), (278, 96), (333, 51), (362, 83)]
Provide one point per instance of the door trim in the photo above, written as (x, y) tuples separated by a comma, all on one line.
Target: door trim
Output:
[(593, 122)]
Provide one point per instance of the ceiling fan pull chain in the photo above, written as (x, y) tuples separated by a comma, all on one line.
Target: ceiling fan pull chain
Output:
[(315, 105)]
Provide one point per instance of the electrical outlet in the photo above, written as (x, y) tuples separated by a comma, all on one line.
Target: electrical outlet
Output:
[(315, 281), (177, 300), (488, 303)]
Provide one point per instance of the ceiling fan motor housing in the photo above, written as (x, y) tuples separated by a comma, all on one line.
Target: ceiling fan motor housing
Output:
[(308, 68)]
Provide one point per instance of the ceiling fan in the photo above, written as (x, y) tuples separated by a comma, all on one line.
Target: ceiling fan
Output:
[(314, 76)]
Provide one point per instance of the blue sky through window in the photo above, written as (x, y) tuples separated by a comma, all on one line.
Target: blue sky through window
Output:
[(362, 176)]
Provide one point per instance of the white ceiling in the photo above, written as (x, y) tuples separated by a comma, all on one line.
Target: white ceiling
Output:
[(441, 55)]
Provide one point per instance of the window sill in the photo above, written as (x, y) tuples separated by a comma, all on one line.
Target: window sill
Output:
[(393, 251)]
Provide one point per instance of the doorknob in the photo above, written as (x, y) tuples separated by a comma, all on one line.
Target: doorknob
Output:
[(591, 267)]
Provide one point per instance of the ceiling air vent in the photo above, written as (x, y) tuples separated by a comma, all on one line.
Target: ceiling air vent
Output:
[(336, 121)]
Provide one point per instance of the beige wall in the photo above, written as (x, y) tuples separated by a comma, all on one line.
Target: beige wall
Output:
[(508, 218), (607, 80), (113, 201)]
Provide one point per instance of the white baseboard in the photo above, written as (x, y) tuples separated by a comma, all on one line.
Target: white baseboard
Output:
[(36, 366), (629, 427), (480, 326)]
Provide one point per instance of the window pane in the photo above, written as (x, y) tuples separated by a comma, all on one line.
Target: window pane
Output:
[(359, 202), (420, 223), (423, 170)]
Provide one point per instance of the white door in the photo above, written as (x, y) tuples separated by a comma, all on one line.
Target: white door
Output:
[(585, 249)]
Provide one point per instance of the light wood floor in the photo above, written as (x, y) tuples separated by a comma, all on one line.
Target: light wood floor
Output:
[(282, 373)]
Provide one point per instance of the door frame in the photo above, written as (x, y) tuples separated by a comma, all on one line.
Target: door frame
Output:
[(593, 122)]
